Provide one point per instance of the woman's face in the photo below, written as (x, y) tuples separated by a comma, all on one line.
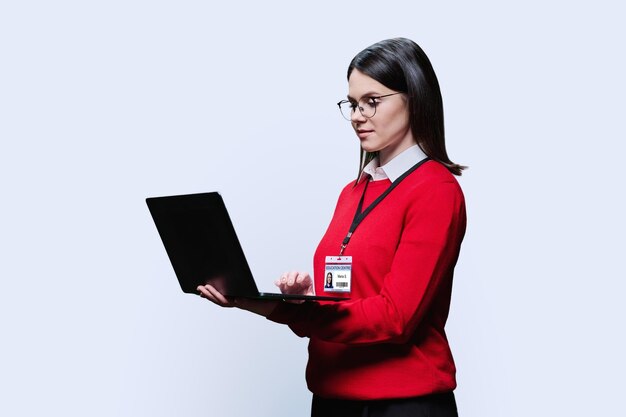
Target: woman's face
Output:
[(388, 131)]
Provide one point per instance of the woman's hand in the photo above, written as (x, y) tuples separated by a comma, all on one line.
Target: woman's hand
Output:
[(295, 282), (260, 307)]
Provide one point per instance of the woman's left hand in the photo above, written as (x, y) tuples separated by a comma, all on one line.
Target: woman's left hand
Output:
[(295, 282)]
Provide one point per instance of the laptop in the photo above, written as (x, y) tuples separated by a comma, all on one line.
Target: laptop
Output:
[(202, 246)]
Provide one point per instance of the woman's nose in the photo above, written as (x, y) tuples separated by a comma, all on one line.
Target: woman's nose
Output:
[(357, 116)]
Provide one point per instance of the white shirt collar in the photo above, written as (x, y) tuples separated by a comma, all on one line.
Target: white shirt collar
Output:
[(396, 167)]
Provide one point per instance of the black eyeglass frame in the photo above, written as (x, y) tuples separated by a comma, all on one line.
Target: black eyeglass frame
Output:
[(355, 106)]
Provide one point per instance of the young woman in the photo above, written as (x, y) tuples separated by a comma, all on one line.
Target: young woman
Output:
[(329, 281), (392, 245)]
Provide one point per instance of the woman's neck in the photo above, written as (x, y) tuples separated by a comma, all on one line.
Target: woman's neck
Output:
[(386, 155)]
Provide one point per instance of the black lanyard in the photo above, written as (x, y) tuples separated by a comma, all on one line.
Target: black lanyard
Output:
[(360, 214)]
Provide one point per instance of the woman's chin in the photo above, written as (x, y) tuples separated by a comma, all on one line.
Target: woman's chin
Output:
[(367, 147)]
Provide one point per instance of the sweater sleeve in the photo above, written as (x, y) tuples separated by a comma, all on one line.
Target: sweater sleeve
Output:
[(423, 262)]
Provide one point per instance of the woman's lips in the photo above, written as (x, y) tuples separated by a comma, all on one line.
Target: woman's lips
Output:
[(363, 133)]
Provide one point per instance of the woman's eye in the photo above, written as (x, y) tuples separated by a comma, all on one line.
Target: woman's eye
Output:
[(372, 102)]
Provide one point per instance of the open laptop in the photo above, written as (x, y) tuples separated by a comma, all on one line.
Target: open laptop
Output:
[(202, 245)]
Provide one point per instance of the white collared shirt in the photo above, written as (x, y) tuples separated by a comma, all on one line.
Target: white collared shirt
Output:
[(396, 167)]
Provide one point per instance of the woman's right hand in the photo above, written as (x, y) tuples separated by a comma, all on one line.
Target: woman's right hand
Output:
[(295, 282), (260, 307)]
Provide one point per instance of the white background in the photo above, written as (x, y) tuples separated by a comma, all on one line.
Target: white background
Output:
[(104, 103)]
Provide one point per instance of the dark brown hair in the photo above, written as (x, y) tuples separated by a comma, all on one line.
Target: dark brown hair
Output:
[(401, 65)]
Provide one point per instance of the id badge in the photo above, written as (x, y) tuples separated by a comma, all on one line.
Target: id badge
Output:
[(338, 274)]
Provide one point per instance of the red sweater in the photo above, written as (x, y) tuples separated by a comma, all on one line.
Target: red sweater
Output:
[(388, 339)]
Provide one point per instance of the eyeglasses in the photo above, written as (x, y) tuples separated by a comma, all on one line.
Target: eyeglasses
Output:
[(367, 106)]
